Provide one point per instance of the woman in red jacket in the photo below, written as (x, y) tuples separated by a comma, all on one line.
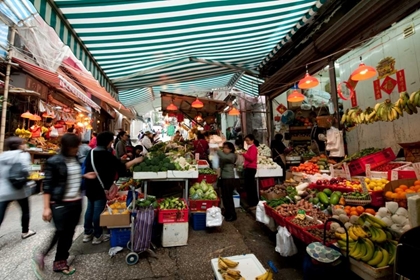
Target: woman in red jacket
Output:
[(250, 169)]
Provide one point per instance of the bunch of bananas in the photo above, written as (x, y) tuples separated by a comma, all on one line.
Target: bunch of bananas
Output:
[(226, 269), (387, 111), (369, 241), (23, 133), (408, 103), (268, 275)]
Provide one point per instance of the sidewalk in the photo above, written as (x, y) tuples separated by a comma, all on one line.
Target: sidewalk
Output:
[(188, 262)]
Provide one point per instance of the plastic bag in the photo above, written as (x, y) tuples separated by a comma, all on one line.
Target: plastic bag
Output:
[(54, 132), (214, 161), (260, 215), (214, 217), (284, 243)]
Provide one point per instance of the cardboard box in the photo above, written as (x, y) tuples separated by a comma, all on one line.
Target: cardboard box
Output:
[(114, 220)]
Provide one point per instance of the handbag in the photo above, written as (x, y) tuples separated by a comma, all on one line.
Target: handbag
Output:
[(18, 175), (113, 190)]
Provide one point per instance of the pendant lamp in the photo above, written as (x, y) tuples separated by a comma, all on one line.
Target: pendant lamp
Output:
[(35, 118), (197, 104), (234, 112), (295, 96), (363, 72), (26, 115), (308, 81), (172, 107)]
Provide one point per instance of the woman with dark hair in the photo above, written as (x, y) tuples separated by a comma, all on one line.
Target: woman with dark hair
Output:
[(201, 146), (227, 159), (8, 193), (121, 149), (62, 202), (277, 151), (106, 166), (93, 143), (250, 170), (138, 151)]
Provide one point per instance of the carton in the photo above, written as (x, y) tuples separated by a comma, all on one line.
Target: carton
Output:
[(391, 186), (114, 220)]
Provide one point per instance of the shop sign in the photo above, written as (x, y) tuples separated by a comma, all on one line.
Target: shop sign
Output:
[(108, 109), (35, 85)]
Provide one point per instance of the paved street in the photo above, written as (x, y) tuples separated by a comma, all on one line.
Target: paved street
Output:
[(187, 262)]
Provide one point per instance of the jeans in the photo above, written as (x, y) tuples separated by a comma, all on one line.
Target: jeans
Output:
[(92, 216), (24, 205), (251, 186), (66, 216)]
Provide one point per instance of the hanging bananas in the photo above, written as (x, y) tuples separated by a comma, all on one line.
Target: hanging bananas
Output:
[(408, 103)]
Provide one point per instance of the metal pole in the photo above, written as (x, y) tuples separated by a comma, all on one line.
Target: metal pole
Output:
[(6, 90), (333, 91)]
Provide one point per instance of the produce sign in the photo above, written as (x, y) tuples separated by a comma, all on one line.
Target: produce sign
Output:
[(202, 191)]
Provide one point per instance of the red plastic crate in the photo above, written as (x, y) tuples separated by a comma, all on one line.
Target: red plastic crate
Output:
[(209, 178), (280, 220), (202, 205), (267, 183), (378, 199), (300, 232), (269, 210), (334, 189), (358, 166), (317, 239), (173, 216)]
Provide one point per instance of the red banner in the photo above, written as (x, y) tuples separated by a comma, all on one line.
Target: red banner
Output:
[(402, 86), (354, 99), (377, 89), (388, 84), (281, 109)]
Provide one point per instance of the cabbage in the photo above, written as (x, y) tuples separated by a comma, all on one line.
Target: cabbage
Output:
[(402, 212), (192, 191), (196, 186), (213, 196), (392, 206), (204, 187), (195, 196), (199, 193)]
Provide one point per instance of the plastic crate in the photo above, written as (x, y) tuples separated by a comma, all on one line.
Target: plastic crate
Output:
[(378, 199), (281, 221), (173, 216), (358, 166), (266, 183), (300, 232), (316, 238), (120, 237), (209, 178), (198, 221), (202, 205)]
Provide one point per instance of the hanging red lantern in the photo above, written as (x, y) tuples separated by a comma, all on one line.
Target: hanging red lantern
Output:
[(180, 117)]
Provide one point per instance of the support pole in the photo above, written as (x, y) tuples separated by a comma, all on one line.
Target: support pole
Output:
[(6, 89), (333, 92)]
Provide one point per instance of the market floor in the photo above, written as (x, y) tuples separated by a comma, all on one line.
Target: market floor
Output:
[(188, 262)]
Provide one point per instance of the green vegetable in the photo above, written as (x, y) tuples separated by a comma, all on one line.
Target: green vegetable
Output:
[(334, 199), (327, 191), (323, 198)]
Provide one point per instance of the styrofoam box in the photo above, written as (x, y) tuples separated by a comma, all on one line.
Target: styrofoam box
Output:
[(183, 174), (175, 234), (277, 172), (149, 175), (35, 167), (236, 199), (249, 266)]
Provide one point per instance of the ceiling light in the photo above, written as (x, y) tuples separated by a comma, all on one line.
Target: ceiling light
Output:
[(308, 81), (35, 118), (197, 104), (363, 72), (26, 115), (172, 107), (234, 112), (295, 96)]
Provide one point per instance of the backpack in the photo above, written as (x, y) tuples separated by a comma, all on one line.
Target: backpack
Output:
[(18, 175)]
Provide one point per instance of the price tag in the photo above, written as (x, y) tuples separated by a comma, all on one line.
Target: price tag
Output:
[(301, 214), (416, 167), (364, 187), (347, 171), (332, 170), (368, 171), (394, 175)]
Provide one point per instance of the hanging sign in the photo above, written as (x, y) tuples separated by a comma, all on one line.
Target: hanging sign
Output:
[(354, 100), (377, 89), (35, 85), (402, 86), (368, 171), (388, 84), (281, 109)]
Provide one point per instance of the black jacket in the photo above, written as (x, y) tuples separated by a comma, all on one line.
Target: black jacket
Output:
[(55, 181)]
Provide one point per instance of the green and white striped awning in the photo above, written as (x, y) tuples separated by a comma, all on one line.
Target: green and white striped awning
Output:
[(141, 47)]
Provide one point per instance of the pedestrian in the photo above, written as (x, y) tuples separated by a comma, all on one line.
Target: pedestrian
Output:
[(8, 193), (62, 203), (227, 184), (147, 141), (83, 151), (277, 151), (117, 138), (92, 143), (121, 148), (178, 137), (250, 169), (106, 166), (201, 147)]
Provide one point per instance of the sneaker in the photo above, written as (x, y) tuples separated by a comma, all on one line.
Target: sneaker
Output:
[(87, 237), (100, 239), (28, 234)]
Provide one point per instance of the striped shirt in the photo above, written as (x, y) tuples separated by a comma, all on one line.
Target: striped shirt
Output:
[(74, 180)]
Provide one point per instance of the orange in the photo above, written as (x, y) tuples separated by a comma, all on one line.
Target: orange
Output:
[(417, 183), (418, 190), (401, 196), (354, 213), (347, 211), (397, 190), (403, 187), (353, 209), (360, 209), (347, 207), (370, 211), (413, 188), (410, 191), (394, 195), (388, 194)]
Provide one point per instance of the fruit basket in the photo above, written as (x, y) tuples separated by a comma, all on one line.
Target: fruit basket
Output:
[(363, 200)]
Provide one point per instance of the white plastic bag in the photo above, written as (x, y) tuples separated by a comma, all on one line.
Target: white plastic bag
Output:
[(54, 132), (214, 217), (284, 243), (260, 215)]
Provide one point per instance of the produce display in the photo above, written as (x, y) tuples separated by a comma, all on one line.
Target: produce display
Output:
[(356, 196), (172, 203), (36, 176), (395, 218), (202, 191), (149, 201), (275, 192), (306, 222), (155, 163), (352, 210), (370, 240), (337, 183), (116, 208), (376, 184), (207, 171), (307, 167), (388, 166), (362, 153), (40, 142), (301, 121), (226, 268), (319, 233), (126, 186), (323, 162), (399, 194), (289, 210)]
